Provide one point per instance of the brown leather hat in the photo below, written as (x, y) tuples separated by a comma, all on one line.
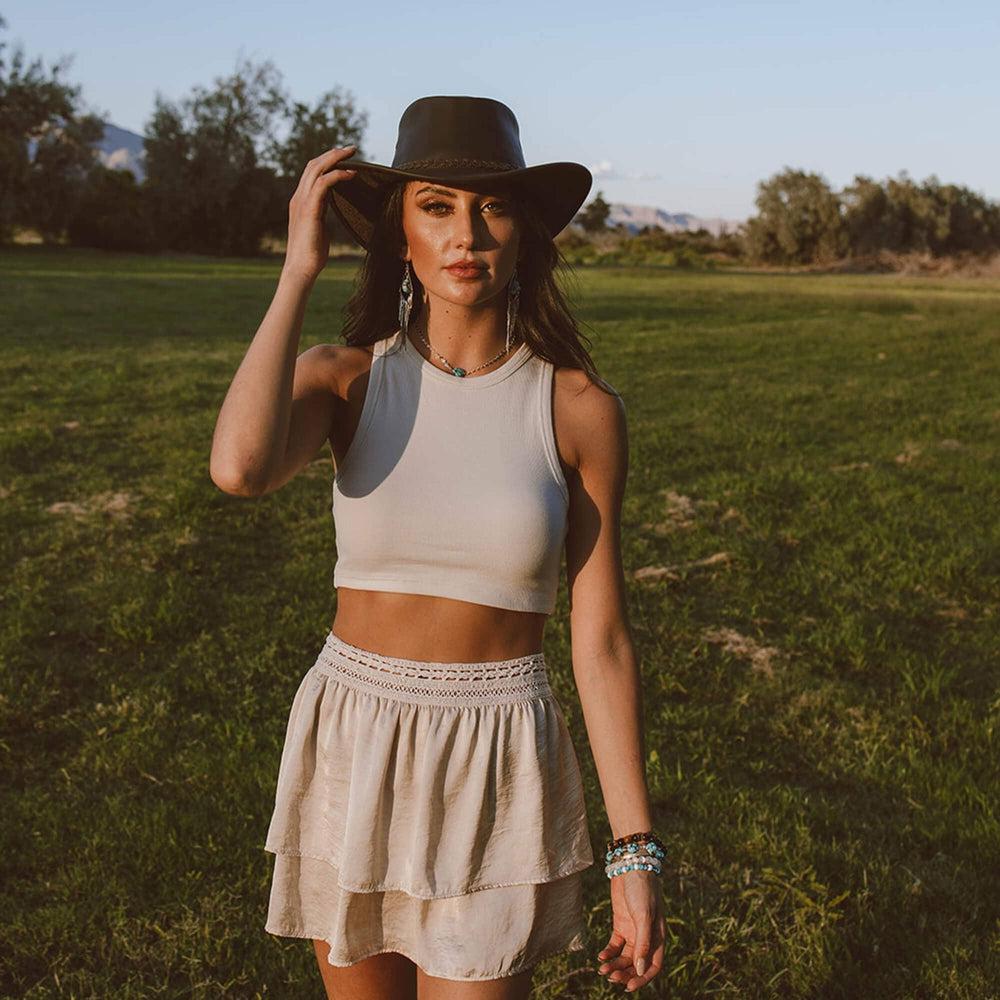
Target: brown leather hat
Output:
[(459, 140)]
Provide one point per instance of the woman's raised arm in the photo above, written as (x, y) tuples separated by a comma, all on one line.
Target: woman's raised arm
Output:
[(250, 446)]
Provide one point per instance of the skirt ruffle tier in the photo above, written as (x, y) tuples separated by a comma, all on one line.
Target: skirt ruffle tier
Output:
[(433, 809)]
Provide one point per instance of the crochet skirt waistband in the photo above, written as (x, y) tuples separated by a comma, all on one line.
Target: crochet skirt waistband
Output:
[(428, 682)]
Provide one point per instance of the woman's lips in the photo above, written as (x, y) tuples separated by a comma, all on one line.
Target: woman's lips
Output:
[(466, 272)]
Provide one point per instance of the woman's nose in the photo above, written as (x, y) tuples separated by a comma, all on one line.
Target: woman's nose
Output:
[(465, 228)]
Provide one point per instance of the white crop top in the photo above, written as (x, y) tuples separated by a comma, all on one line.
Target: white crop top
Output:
[(451, 485)]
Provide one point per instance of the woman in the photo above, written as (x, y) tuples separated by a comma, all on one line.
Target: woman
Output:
[(429, 828)]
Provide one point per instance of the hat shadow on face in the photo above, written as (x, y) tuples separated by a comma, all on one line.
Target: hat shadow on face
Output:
[(513, 198), (502, 188)]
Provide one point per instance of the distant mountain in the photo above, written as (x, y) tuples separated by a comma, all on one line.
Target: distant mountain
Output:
[(120, 149), (634, 217), (117, 149)]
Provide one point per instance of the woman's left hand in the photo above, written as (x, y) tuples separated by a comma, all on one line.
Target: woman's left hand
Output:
[(634, 953)]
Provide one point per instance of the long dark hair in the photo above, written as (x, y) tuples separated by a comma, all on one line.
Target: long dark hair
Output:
[(544, 319)]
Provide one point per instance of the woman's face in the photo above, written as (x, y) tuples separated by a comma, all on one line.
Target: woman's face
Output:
[(443, 225)]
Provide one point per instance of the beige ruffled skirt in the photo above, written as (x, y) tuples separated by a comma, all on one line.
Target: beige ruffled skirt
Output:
[(431, 809)]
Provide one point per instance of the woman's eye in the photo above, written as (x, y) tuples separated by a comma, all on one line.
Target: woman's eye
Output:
[(430, 205)]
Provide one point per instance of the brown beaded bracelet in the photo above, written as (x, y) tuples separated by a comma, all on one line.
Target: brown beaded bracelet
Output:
[(633, 838)]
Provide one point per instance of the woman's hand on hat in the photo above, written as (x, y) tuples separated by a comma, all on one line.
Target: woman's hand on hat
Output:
[(634, 952), (308, 248)]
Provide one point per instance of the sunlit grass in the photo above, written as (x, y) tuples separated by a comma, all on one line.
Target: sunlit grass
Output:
[(811, 543)]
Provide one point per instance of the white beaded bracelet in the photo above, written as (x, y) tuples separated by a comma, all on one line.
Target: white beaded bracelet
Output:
[(644, 862)]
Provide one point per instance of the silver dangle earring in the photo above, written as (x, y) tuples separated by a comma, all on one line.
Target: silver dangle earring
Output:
[(405, 299), (513, 296)]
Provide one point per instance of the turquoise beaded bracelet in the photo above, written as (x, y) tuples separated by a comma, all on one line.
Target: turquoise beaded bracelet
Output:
[(634, 855), (650, 866)]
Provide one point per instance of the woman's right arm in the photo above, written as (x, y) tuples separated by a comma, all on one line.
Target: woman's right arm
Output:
[(279, 407)]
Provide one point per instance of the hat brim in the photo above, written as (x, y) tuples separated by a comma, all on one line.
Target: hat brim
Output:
[(557, 190)]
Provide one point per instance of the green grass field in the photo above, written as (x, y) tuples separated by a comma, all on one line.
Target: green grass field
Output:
[(812, 500)]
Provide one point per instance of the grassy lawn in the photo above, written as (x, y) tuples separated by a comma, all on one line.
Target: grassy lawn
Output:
[(811, 540)]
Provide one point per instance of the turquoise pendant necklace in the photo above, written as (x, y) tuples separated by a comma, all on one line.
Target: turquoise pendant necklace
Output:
[(454, 370)]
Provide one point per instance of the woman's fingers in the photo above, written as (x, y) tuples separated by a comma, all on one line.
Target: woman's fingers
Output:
[(330, 173), (610, 955), (621, 964), (619, 968), (613, 946), (325, 160), (655, 964), (308, 248), (331, 177), (640, 949), (320, 165), (633, 963), (647, 958)]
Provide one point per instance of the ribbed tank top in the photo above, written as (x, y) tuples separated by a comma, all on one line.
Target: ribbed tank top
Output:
[(452, 486)]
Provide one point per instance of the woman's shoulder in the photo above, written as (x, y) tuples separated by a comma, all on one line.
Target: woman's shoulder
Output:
[(587, 413), (341, 364), (590, 391)]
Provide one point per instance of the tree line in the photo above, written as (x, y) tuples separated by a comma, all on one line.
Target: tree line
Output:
[(801, 219), (222, 163)]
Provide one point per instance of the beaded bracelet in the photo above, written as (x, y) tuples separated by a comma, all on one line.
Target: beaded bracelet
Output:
[(645, 864), (635, 838), (638, 851)]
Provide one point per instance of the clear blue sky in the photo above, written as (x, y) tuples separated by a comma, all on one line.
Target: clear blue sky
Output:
[(685, 106)]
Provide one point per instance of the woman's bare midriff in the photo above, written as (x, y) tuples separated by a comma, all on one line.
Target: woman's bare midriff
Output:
[(422, 627)]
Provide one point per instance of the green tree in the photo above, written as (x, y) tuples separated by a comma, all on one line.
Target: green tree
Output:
[(111, 213), (895, 215), (219, 176), (963, 221), (594, 216), (910, 216), (208, 184), (332, 121), (901, 215), (36, 106), (798, 222), (866, 215)]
